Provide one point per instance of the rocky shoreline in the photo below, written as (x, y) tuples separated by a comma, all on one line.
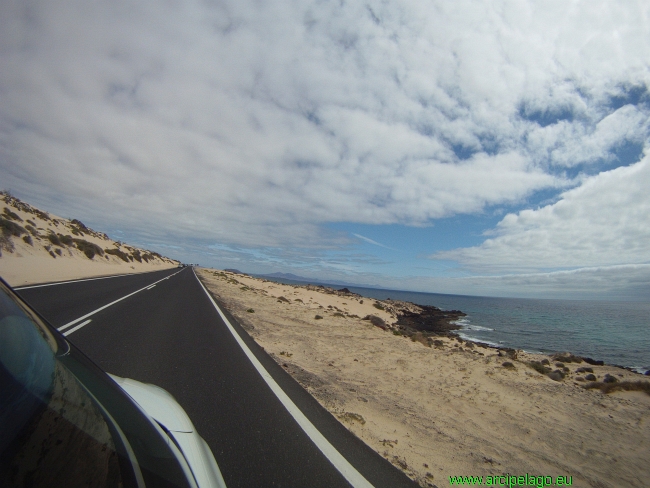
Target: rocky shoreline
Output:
[(427, 321)]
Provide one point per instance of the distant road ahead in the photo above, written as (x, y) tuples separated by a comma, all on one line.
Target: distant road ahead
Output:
[(171, 335)]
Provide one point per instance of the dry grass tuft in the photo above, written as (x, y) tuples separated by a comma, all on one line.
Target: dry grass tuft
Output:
[(620, 386)]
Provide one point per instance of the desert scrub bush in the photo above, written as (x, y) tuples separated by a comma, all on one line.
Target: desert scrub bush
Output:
[(119, 253), (352, 417), (58, 251), (556, 375), (28, 240), (11, 229), (136, 255), (318, 317), (32, 230), (421, 338), (376, 321), (54, 239), (31, 222), (338, 314), (539, 367), (379, 306), (282, 299), (88, 248), (244, 288), (147, 256), (508, 365), (250, 310), (11, 215), (67, 240), (643, 386)]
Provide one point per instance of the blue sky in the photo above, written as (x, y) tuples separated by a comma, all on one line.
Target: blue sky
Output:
[(474, 147)]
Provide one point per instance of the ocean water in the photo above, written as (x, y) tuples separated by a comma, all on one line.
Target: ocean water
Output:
[(615, 332)]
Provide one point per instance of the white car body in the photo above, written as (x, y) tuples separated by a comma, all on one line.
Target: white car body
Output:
[(163, 408)]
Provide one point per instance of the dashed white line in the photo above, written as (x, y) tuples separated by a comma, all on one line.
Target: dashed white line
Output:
[(344, 467), (148, 287), (77, 327)]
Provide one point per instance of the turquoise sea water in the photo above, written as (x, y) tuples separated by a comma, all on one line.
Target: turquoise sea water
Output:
[(615, 332)]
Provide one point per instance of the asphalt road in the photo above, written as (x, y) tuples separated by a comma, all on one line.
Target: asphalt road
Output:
[(171, 335)]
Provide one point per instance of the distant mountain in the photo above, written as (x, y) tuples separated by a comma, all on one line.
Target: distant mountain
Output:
[(293, 277), (287, 276)]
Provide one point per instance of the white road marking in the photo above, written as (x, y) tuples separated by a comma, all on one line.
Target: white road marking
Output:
[(149, 288), (71, 281), (348, 471), (70, 324), (77, 327)]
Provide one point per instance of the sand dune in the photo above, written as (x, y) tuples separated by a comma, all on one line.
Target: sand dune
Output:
[(450, 409), (37, 247)]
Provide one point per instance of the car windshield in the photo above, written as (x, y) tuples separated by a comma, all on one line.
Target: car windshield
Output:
[(63, 422)]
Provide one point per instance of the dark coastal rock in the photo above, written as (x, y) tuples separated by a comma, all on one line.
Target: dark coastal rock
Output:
[(345, 290), (590, 377), (647, 373), (430, 319), (508, 352), (593, 362)]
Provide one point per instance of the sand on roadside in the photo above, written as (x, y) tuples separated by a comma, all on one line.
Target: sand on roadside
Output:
[(31, 250), (447, 410)]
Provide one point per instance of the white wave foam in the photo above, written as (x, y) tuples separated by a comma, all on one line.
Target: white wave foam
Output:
[(467, 337), (467, 325), (640, 370)]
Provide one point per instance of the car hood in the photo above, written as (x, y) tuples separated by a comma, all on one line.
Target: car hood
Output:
[(158, 403)]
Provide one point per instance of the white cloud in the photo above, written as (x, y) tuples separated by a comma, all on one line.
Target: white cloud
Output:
[(602, 222), (254, 123)]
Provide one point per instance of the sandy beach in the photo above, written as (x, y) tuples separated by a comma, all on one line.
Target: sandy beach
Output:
[(436, 406), (39, 247)]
